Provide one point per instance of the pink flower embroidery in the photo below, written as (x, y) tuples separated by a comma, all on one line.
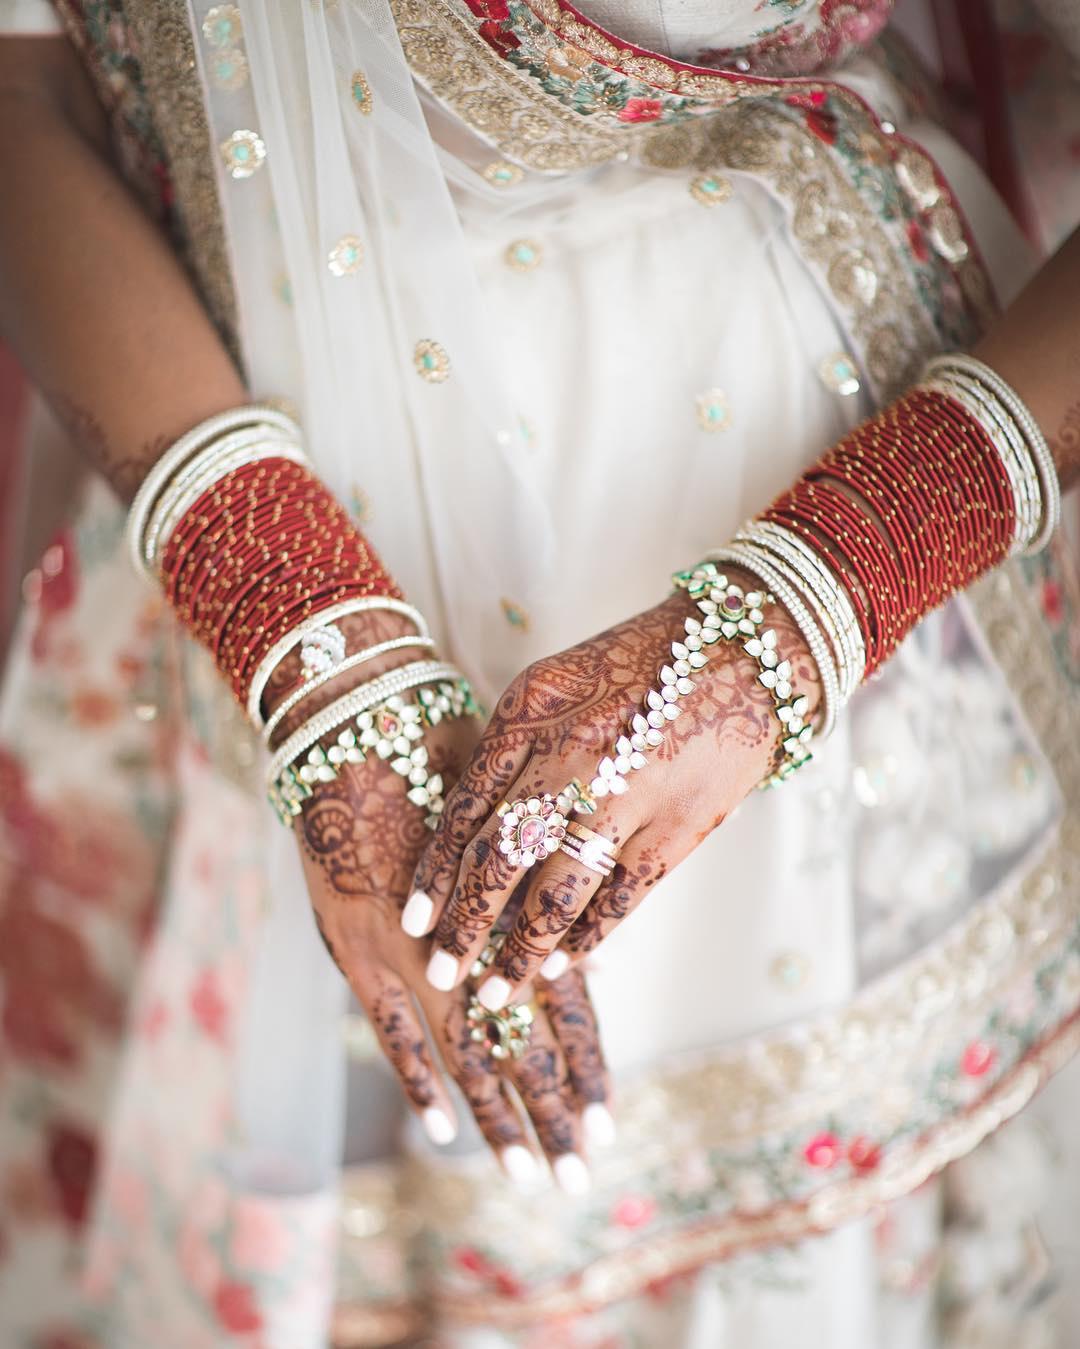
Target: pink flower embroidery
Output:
[(235, 1306), (72, 1160), (823, 1150), (978, 1058), (633, 1210), (641, 110), (259, 1239), (863, 1154), (917, 241), (1052, 604), (209, 1007)]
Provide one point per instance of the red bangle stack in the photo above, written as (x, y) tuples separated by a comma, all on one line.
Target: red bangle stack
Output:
[(255, 554), (907, 509)]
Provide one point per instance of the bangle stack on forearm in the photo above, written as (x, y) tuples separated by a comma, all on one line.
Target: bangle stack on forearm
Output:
[(259, 560), (908, 509)]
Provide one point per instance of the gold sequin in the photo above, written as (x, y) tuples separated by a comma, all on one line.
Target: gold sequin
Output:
[(244, 153), (228, 69), (710, 189), (523, 255), (361, 506), (514, 614), (431, 361), (790, 969), (713, 412), (347, 256), (361, 92), (223, 26), (839, 373), (501, 174)]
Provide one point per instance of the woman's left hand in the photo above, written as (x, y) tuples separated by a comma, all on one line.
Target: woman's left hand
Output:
[(554, 723)]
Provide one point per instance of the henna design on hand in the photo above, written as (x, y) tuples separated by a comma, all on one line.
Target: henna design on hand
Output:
[(543, 1083), (469, 913), (568, 1008), (123, 470), (525, 947), (480, 1082), (405, 1047), (620, 893)]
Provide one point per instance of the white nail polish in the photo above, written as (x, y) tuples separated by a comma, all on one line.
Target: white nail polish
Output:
[(440, 1127), (442, 971), (599, 1125), (571, 1173), (494, 993), (521, 1166), (556, 965), (416, 915)]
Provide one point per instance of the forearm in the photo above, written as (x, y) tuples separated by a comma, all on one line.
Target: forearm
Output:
[(1035, 347), (92, 299)]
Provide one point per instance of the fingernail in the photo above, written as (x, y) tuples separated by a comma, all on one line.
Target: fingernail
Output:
[(556, 964), (599, 1125), (571, 1173), (494, 993), (440, 1127), (521, 1166), (442, 971), (416, 915)]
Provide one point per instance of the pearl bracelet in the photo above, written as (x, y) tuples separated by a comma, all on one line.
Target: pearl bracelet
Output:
[(349, 704), (775, 674), (389, 727)]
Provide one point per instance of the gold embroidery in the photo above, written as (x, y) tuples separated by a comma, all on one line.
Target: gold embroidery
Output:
[(710, 189), (524, 255), (713, 412), (347, 256), (360, 90), (222, 26), (839, 373), (165, 48), (431, 361), (501, 174), (244, 153)]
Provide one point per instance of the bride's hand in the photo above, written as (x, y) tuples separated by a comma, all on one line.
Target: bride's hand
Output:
[(360, 838), (554, 723)]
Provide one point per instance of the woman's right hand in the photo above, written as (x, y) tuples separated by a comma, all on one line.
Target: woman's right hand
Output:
[(360, 839)]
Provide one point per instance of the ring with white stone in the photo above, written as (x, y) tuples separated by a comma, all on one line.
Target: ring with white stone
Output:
[(589, 848), (532, 829)]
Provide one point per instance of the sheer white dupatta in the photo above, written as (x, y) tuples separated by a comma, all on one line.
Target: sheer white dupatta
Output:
[(358, 301)]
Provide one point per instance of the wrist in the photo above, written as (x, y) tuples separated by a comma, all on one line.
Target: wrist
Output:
[(361, 631)]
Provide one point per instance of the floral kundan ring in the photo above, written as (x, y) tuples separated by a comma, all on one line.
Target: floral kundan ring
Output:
[(531, 830), (506, 1034)]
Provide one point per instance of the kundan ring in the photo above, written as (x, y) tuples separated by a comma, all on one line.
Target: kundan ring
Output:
[(531, 830), (506, 1034)]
